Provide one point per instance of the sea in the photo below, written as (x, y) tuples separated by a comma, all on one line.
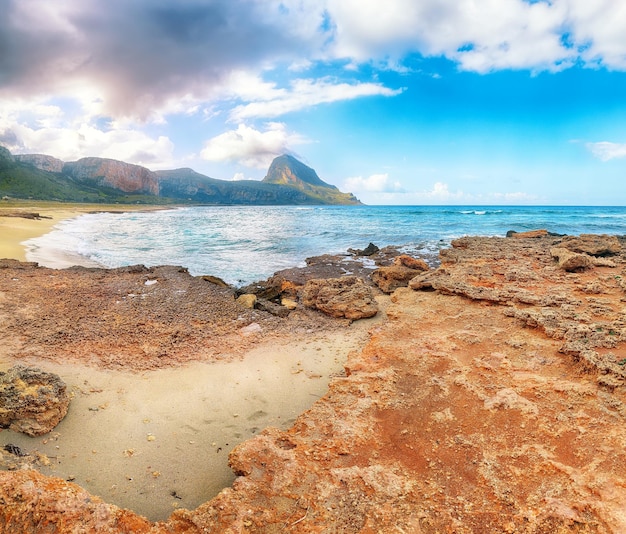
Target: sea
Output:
[(243, 244)]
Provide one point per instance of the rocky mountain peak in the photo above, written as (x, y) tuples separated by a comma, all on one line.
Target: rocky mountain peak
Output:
[(287, 170)]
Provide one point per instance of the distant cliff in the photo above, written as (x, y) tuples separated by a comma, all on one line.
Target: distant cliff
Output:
[(41, 161), (44, 177), (116, 174)]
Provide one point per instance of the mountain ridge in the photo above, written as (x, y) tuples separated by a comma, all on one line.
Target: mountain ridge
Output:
[(93, 179)]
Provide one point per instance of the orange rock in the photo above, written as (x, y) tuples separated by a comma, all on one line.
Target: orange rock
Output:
[(411, 263), (529, 234)]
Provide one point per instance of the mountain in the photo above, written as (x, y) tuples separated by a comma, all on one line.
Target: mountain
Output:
[(287, 171), (43, 177), (188, 185)]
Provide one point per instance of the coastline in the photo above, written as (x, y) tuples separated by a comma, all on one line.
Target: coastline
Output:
[(488, 396), (18, 224)]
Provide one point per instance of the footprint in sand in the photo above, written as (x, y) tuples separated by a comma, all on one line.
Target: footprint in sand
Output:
[(257, 415)]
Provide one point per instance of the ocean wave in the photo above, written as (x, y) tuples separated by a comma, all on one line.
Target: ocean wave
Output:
[(480, 212), (244, 244)]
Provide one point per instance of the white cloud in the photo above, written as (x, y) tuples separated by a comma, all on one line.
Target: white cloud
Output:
[(374, 183), (481, 36), (149, 59), (303, 93), (605, 150), (47, 129), (441, 192), (251, 147)]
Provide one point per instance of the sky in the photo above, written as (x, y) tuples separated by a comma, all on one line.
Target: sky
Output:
[(474, 102)]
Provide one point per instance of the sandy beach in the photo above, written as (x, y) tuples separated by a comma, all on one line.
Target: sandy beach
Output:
[(24, 220), (165, 435)]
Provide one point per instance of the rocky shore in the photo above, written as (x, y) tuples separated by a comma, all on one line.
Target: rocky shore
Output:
[(489, 399)]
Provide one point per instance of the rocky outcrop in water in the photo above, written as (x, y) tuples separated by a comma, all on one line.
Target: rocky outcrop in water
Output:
[(32, 401)]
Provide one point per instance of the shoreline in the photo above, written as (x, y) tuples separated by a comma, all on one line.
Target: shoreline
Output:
[(18, 225), (489, 396)]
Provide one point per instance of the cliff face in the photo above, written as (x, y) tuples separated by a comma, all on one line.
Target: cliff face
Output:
[(116, 174), (41, 161)]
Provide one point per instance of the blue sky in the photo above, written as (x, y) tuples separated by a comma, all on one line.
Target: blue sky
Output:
[(399, 102)]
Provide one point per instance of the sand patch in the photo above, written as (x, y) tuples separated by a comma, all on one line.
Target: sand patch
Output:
[(159, 440)]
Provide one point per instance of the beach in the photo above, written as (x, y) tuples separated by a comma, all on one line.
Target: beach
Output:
[(16, 225), (23, 220), (486, 395), (160, 412)]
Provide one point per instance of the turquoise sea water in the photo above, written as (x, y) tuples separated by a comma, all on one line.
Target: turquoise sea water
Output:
[(242, 244)]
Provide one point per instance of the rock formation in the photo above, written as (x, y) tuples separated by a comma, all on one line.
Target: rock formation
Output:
[(594, 245), (404, 269), (347, 297), (571, 261), (31, 400)]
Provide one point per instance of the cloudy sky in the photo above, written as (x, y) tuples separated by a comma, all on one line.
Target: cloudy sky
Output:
[(397, 101)]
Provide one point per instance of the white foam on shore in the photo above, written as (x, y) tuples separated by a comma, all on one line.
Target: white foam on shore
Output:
[(57, 250)]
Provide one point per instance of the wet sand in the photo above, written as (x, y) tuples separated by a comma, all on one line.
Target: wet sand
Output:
[(15, 230)]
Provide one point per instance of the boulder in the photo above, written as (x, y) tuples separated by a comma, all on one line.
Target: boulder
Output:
[(32, 401), (369, 250), (412, 263), (594, 245), (247, 300), (215, 280), (404, 269), (347, 297), (571, 261), (288, 303), (271, 307), (270, 289)]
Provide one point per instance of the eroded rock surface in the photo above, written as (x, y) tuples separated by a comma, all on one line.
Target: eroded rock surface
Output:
[(347, 297), (134, 318), (404, 269), (492, 400), (32, 401)]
